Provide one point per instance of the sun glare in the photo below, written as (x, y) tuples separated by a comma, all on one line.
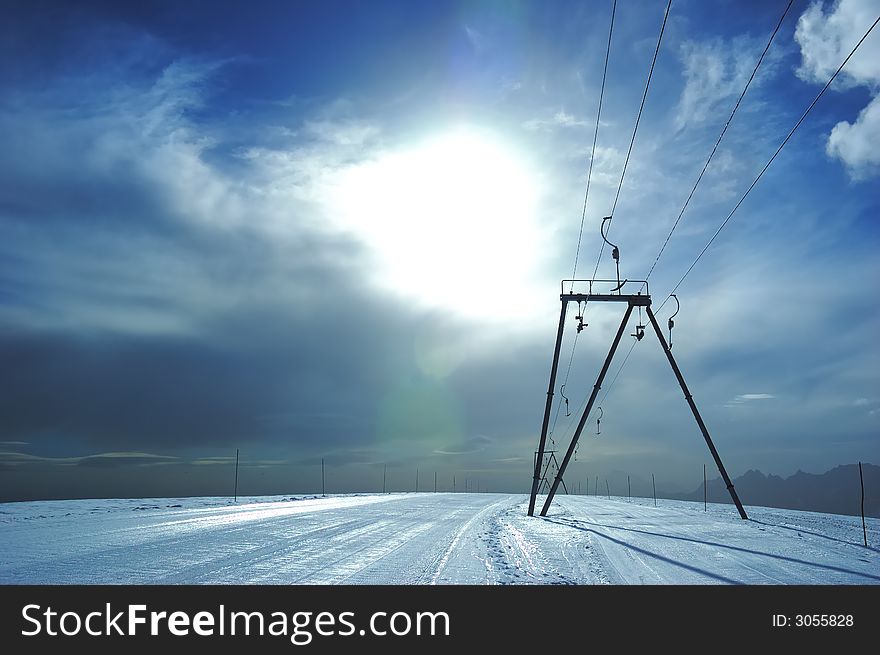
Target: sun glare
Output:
[(449, 220)]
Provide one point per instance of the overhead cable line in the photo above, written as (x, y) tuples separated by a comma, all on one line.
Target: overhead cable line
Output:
[(635, 131), (628, 153), (770, 161), (700, 176), (586, 198), (754, 182), (593, 149), (620, 368), (720, 137)]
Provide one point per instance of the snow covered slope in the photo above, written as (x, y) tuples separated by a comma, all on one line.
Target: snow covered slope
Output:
[(427, 538)]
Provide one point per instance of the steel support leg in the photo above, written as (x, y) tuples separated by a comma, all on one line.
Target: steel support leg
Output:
[(583, 421), (539, 458), (693, 406)]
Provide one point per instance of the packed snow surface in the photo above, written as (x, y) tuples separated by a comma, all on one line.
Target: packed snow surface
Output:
[(428, 538)]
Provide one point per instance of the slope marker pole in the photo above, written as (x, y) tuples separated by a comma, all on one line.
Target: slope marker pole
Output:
[(862, 483), (235, 492)]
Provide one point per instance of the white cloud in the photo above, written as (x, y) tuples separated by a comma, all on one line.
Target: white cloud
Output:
[(478, 40), (226, 461), (825, 40), (715, 71), (560, 119), (564, 118), (457, 452), (346, 133), (858, 144), (744, 398), (144, 174), (866, 403)]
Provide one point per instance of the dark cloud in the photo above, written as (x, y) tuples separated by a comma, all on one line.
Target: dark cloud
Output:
[(113, 460), (10, 460), (265, 377), (171, 283)]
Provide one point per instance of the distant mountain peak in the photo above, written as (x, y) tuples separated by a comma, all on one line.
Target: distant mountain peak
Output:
[(837, 491)]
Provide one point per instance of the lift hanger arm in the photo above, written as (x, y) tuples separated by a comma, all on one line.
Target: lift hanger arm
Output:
[(615, 252), (670, 323)]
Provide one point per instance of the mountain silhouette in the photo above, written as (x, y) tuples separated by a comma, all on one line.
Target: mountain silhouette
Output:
[(834, 492)]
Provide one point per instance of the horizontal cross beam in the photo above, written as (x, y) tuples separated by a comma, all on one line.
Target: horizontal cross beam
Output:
[(633, 300)]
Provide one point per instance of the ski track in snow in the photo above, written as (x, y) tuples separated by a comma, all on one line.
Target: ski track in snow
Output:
[(427, 538)]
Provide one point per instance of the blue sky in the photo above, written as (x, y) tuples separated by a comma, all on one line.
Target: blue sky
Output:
[(337, 229)]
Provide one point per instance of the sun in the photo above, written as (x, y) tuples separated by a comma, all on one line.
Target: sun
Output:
[(449, 220)]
